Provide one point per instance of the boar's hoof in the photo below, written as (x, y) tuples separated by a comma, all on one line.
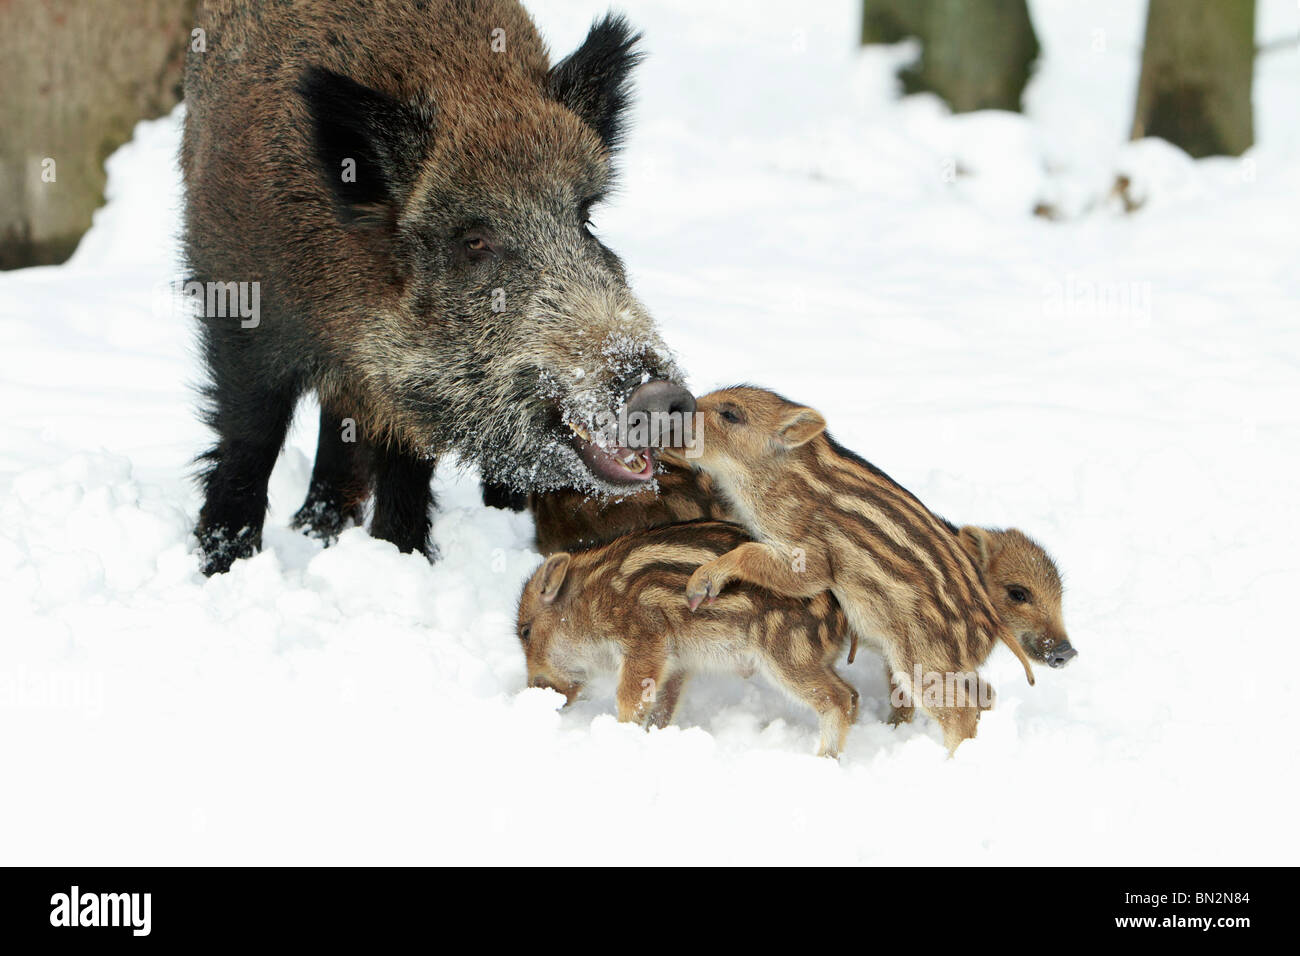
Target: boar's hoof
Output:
[(324, 521), (220, 549)]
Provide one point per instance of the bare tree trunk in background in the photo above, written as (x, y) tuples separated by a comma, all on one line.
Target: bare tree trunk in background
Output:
[(888, 21), (76, 77), (1198, 65), (975, 54)]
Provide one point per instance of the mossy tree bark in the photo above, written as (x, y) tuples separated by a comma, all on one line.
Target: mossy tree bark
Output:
[(1198, 66), (975, 54), (888, 21), (76, 77)]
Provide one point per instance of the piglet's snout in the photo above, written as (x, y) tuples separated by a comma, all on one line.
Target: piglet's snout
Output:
[(1061, 655)]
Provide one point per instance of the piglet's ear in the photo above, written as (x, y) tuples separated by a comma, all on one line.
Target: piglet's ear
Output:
[(369, 146), (977, 543), (801, 426), (594, 80), (550, 580)]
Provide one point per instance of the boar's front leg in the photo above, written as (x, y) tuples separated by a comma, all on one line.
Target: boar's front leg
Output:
[(403, 499), (340, 480), (500, 496), (796, 575), (251, 425)]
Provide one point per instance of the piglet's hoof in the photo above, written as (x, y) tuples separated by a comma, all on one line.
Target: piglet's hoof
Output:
[(700, 589), (899, 716)]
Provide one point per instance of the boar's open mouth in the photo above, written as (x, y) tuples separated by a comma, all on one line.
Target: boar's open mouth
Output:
[(620, 452), (545, 435), (612, 462)]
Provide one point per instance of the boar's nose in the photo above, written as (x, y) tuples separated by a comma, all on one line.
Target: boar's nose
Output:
[(1061, 655), (661, 397)]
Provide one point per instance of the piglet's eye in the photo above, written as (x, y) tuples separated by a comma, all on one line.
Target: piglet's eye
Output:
[(731, 415), (1018, 594), (526, 633)]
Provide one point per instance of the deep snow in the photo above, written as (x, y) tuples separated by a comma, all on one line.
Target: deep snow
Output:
[(1125, 388)]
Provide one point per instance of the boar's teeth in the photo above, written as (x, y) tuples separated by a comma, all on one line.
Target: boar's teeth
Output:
[(580, 431)]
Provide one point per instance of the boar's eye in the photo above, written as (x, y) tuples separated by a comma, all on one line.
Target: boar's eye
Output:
[(1018, 594), (478, 246), (732, 415)]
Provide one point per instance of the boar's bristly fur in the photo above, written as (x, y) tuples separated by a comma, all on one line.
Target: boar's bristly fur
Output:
[(408, 185)]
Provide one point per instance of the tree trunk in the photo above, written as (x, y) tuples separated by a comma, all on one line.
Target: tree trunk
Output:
[(76, 77), (975, 54), (888, 21), (1197, 69)]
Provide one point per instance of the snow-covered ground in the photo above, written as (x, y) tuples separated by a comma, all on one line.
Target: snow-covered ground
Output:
[(1124, 387)]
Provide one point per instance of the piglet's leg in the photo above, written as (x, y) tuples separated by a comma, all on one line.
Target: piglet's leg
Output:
[(640, 684), (901, 709), (958, 723), (666, 697), (796, 574), (938, 696), (836, 714), (826, 692)]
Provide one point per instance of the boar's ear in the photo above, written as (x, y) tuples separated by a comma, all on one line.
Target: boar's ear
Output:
[(551, 577), (978, 544), (801, 426), (368, 144), (595, 80)]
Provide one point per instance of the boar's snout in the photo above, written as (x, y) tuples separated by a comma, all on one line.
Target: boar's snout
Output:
[(1061, 654), (659, 398)]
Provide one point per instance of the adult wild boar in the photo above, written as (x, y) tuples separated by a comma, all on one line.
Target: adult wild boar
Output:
[(406, 187)]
